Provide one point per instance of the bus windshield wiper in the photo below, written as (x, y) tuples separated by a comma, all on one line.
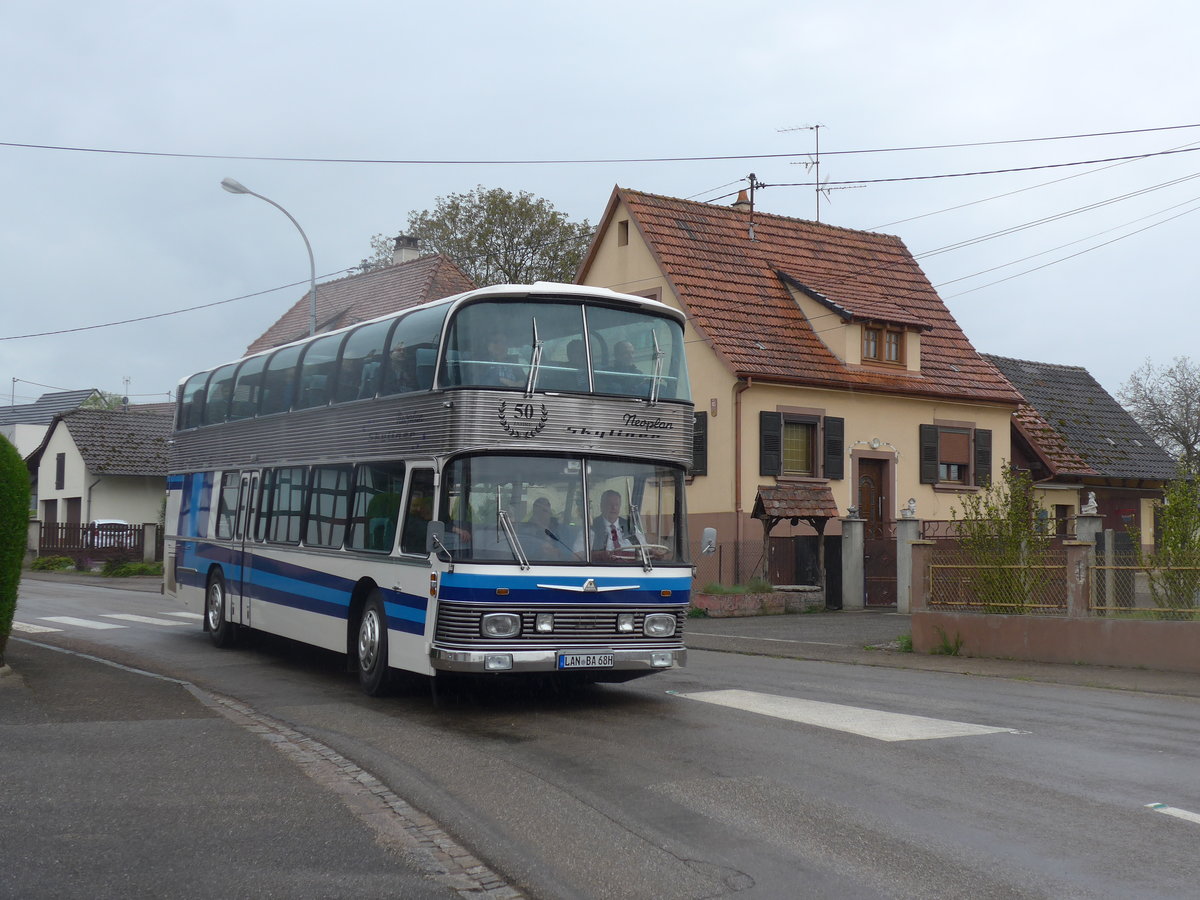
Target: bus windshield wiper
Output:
[(535, 361), (504, 523), (635, 520), (656, 378)]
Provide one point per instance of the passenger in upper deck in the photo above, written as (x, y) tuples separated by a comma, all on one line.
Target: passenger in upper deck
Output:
[(623, 358), (506, 371)]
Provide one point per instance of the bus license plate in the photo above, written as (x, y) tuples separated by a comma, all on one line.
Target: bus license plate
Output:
[(585, 660)]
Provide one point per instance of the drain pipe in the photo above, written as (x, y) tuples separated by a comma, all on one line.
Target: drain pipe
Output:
[(740, 388)]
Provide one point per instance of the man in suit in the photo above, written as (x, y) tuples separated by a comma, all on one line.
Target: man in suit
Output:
[(610, 530)]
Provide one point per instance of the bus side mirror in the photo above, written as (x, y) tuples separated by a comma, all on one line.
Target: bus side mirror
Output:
[(435, 535), (708, 542)]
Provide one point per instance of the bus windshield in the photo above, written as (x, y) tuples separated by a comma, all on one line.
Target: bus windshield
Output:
[(563, 511), (566, 346)]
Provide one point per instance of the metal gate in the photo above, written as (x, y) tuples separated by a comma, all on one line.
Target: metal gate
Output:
[(879, 563)]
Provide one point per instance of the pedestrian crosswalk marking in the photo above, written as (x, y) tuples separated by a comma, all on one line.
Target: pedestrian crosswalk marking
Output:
[(186, 615), (144, 620), (29, 628), (872, 723), (81, 623)]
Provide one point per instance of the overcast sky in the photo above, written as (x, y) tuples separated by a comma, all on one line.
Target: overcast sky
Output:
[(91, 238)]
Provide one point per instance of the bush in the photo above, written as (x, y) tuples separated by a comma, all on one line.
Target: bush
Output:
[(14, 529), (118, 569), (52, 563), (1005, 544), (1173, 569)]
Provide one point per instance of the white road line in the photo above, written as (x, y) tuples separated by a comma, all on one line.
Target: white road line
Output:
[(144, 620), (1192, 817), (872, 723), (81, 623), (186, 615), (33, 629)]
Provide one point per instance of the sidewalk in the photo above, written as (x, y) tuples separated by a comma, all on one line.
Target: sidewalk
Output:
[(870, 638), (149, 583)]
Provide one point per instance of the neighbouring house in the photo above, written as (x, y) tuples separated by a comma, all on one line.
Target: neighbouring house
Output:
[(103, 464), (1075, 439), (25, 424), (824, 367), (410, 280)]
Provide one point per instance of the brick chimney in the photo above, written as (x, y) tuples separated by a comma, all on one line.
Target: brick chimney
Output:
[(405, 249), (742, 202)]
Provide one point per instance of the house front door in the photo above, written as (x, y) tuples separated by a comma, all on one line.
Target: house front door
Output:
[(879, 538)]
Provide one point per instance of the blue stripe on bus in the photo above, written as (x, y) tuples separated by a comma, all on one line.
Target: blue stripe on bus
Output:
[(481, 588), (298, 587)]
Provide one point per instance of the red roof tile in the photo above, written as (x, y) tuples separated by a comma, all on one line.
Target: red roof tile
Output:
[(357, 298), (734, 289), (795, 501)]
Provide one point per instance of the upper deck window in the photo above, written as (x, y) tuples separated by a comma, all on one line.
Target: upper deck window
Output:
[(568, 347), (279, 381), (318, 371)]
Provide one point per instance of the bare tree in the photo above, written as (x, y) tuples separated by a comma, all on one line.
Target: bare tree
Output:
[(1166, 402), (496, 237)]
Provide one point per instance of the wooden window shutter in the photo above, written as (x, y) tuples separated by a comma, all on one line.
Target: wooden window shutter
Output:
[(770, 443), (700, 444), (983, 456), (834, 447), (929, 454)]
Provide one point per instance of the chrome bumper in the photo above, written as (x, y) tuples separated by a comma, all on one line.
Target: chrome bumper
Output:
[(490, 661)]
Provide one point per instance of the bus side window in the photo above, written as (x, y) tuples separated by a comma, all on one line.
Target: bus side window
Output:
[(191, 401), (328, 506), (216, 406), (227, 504), (375, 507), (317, 371), (358, 376), (418, 512), (279, 381), (247, 387)]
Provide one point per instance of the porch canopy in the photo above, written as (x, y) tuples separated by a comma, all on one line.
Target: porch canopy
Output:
[(811, 503)]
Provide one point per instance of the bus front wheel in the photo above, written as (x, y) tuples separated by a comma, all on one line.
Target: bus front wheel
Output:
[(372, 647), (220, 629)]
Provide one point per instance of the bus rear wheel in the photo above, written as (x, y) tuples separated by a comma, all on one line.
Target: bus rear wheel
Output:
[(222, 632), (373, 647)]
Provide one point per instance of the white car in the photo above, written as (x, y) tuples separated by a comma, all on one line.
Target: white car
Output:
[(110, 533)]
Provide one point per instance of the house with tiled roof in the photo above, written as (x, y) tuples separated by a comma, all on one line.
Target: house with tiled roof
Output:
[(410, 280), (822, 361), (1075, 439), (102, 464), (25, 424)]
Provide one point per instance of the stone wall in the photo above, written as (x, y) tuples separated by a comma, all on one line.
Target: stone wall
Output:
[(795, 599)]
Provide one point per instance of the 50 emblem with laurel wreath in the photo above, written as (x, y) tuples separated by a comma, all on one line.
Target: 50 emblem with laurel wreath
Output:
[(525, 420)]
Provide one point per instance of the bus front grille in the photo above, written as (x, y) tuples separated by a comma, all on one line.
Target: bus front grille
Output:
[(458, 624)]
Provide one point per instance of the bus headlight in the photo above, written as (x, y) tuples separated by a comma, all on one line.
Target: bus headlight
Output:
[(659, 625), (500, 625), (625, 623)]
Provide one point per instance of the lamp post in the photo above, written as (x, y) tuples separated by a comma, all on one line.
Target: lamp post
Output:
[(235, 187)]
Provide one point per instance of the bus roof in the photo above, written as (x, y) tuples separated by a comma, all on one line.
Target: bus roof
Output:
[(539, 288)]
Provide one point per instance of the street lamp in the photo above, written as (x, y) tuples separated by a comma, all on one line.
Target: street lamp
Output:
[(236, 187)]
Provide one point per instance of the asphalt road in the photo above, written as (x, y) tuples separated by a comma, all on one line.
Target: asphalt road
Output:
[(757, 775)]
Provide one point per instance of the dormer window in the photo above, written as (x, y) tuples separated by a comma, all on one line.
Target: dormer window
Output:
[(882, 345)]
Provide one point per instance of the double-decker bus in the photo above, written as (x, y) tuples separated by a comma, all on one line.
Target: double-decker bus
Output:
[(488, 483)]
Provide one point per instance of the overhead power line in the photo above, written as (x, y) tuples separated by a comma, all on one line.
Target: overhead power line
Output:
[(1082, 162), (566, 161), (163, 315)]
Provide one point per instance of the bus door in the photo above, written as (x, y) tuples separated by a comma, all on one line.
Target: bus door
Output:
[(241, 586)]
